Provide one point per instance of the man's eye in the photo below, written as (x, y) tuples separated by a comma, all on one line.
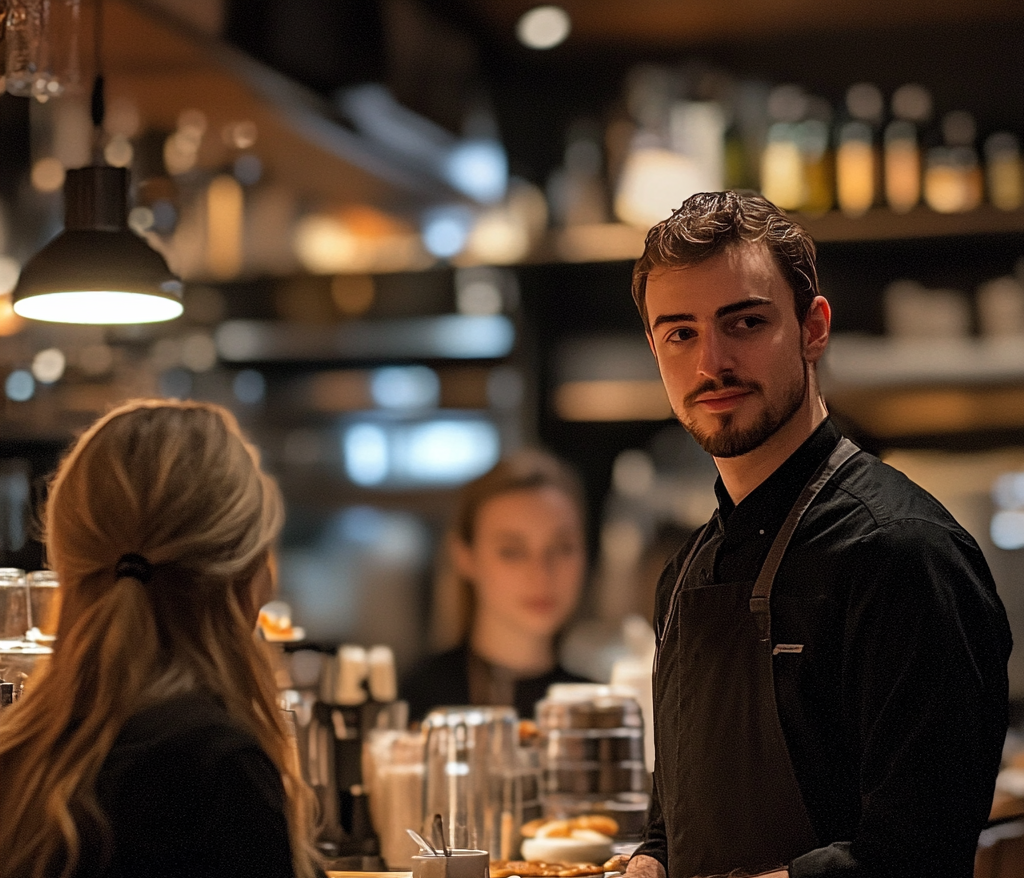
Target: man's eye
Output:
[(682, 334), (750, 321)]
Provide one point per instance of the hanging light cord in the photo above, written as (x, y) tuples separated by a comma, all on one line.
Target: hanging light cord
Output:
[(97, 104)]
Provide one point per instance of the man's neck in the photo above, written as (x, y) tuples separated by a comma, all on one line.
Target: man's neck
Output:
[(741, 475)]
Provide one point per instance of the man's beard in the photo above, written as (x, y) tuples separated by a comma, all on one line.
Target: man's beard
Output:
[(732, 442)]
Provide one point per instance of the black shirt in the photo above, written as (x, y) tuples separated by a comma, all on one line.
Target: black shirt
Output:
[(187, 791), (442, 680), (895, 711)]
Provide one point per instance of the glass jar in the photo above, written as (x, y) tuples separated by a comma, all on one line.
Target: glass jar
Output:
[(43, 601), (14, 618)]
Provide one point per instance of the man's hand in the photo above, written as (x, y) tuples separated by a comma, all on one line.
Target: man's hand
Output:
[(642, 866), (778, 873)]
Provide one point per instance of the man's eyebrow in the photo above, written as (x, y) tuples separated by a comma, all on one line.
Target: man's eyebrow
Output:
[(733, 307), (724, 311)]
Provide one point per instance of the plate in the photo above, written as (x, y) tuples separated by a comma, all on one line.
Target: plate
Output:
[(566, 850)]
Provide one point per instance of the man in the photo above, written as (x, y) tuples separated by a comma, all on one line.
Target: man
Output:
[(830, 684)]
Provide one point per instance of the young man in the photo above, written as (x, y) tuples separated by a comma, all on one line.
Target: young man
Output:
[(830, 685)]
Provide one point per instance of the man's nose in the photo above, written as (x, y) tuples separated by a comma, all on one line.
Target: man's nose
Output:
[(713, 356)]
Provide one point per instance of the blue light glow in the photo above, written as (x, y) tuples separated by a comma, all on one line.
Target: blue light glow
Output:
[(20, 385), (405, 387), (438, 451), (366, 454), (446, 230), (447, 451), (1007, 530), (249, 386), (479, 168)]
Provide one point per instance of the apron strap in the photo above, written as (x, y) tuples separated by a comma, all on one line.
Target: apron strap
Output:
[(759, 601)]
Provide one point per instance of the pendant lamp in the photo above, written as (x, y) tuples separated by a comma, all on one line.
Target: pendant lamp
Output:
[(97, 270)]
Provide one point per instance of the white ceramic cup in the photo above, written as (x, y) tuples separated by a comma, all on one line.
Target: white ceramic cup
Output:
[(461, 864)]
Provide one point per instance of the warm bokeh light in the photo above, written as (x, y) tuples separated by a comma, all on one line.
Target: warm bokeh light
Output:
[(655, 182), (543, 27), (48, 365), (225, 202), (357, 239), (47, 174), (119, 152), (612, 401), (855, 169)]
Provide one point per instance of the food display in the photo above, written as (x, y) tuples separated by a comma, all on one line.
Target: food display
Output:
[(548, 828), (583, 839), (275, 623), (538, 869)]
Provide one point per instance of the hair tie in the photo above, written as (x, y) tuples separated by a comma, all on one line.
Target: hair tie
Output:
[(134, 566)]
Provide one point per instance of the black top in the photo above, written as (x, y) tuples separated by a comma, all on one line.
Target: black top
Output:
[(895, 711), (442, 680), (188, 792)]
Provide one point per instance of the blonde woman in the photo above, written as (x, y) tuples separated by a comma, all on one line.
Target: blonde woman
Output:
[(512, 571), (153, 745)]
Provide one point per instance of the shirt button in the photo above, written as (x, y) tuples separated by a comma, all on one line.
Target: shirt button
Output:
[(761, 531)]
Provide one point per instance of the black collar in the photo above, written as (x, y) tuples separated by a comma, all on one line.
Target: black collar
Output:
[(767, 505)]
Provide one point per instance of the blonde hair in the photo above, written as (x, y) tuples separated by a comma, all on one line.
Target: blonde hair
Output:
[(176, 483), (522, 470)]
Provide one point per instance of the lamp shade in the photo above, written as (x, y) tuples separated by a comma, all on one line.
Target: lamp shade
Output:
[(97, 270)]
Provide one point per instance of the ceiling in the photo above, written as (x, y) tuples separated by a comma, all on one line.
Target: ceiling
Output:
[(673, 24)]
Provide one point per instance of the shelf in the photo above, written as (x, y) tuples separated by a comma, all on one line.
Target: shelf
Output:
[(875, 361), (881, 224), (898, 388), (611, 242)]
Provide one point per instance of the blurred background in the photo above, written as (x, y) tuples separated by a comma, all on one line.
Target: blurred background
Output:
[(406, 231)]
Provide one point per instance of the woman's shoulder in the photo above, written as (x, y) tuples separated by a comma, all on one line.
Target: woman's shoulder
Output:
[(188, 720), (187, 744), (185, 783)]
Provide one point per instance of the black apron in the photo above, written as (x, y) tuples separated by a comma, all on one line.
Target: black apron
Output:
[(725, 781)]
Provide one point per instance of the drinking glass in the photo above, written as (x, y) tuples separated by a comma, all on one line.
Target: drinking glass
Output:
[(470, 776)]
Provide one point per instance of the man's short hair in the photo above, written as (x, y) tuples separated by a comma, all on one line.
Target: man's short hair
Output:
[(708, 222)]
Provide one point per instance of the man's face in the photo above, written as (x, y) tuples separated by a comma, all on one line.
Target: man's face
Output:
[(732, 354)]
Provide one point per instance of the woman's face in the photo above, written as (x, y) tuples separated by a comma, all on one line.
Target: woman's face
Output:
[(526, 560)]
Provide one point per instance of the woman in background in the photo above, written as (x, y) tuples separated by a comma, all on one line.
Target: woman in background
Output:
[(152, 744), (513, 569)]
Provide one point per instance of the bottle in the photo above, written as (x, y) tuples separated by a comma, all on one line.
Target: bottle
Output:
[(23, 38), (1004, 171), (911, 106), (952, 177), (782, 163), (857, 167), (818, 159)]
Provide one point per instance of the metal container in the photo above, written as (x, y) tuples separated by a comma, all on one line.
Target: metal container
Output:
[(592, 745)]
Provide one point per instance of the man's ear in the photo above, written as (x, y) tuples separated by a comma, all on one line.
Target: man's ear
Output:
[(814, 332)]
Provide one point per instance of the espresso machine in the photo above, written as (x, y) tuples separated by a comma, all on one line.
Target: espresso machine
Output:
[(336, 700)]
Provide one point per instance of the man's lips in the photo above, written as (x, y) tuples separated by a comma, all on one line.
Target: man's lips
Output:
[(723, 400)]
